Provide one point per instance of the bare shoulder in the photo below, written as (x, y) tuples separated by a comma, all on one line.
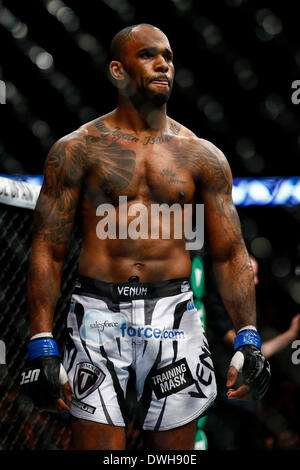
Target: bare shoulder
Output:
[(216, 171), (67, 161), (73, 143), (76, 141), (201, 148), (206, 150), (206, 161), (97, 126), (177, 129)]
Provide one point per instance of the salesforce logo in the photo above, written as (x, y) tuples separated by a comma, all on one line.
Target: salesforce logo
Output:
[(100, 327), (147, 332)]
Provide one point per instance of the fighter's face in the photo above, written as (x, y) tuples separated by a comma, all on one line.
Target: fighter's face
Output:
[(148, 62)]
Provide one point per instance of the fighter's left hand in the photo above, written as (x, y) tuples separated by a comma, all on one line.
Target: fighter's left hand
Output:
[(254, 367)]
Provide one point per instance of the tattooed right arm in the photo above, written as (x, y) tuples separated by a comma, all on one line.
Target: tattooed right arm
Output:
[(232, 266), (53, 223)]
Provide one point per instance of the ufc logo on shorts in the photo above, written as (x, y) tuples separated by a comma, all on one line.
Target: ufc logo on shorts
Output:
[(31, 376)]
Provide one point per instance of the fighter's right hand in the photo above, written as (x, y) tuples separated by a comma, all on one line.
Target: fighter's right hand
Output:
[(44, 375)]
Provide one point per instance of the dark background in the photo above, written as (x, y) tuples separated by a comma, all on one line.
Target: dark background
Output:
[(235, 63), (233, 82)]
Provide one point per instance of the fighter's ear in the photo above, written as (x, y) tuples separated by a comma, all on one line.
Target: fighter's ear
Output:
[(117, 70)]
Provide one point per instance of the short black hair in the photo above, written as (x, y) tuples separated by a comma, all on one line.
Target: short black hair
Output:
[(120, 39)]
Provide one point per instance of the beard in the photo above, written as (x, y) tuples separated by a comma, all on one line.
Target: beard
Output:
[(158, 99), (143, 96)]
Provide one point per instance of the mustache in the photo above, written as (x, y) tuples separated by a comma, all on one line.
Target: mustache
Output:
[(165, 78)]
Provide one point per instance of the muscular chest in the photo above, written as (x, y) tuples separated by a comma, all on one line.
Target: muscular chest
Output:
[(141, 172)]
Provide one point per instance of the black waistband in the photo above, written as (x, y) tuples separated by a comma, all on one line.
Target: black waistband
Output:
[(131, 290)]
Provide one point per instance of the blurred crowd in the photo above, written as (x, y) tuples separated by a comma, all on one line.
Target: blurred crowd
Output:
[(271, 423)]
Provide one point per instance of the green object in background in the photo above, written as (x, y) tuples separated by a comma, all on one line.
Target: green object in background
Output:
[(197, 277), (200, 441), (201, 309), (201, 422), (198, 287)]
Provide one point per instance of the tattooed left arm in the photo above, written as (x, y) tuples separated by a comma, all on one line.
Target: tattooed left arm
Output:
[(234, 275), (232, 267), (54, 219)]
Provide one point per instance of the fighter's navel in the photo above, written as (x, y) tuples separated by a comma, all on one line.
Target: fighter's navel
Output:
[(108, 192), (138, 265)]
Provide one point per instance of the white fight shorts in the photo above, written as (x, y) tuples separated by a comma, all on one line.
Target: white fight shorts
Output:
[(153, 329)]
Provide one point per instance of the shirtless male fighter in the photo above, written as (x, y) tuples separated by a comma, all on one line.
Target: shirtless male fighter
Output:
[(132, 305)]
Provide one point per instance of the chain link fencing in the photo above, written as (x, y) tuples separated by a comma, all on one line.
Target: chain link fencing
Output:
[(22, 426)]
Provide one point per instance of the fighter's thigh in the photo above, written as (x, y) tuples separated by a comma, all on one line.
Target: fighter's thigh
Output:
[(89, 435), (181, 438)]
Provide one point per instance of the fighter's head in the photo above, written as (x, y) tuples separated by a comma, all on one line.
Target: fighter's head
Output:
[(142, 64)]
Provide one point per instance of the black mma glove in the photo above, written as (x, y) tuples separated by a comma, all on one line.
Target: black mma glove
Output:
[(44, 374), (249, 360)]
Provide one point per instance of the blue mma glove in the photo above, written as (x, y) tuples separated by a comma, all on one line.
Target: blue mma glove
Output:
[(249, 360), (44, 374)]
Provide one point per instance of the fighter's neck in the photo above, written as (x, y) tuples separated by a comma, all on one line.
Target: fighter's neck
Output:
[(148, 118)]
